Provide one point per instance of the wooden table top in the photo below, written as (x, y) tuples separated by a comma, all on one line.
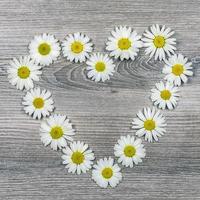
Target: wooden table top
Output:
[(101, 112)]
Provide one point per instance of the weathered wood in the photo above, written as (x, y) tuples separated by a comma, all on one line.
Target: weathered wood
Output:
[(100, 112)]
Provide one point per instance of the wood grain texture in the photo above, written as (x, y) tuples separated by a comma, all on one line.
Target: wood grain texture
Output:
[(101, 112)]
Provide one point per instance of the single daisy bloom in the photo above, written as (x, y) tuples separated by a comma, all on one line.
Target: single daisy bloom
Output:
[(124, 43), (158, 42), (38, 103), (22, 72), (44, 49), (100, 67), (56, 130), (129, 150), (177, 68), (77, 157), (77, 47), (165, 95), (106, 173), (149, 123)]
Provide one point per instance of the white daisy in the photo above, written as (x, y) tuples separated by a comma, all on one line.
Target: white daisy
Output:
[(150, 123), (124, 43), (129, 150), (165, 95), (22, 72), (77, 47), (177, 69), (100, 67), (38, 103), (78, 158), (44, 49), (106, 173), (56, 130), (158, 42)]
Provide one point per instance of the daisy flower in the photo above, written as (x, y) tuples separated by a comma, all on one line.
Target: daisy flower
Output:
[(106, 173), (77, 47), (165, 95), (38, 103), (177, 68), (124, 43), (149, 123), (158, 42), (100, 67), (56, 130), (78, 158), (129, 150), (22, 72), (44, 49)]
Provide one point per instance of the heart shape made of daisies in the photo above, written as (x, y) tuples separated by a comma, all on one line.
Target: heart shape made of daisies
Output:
[(124, 43)]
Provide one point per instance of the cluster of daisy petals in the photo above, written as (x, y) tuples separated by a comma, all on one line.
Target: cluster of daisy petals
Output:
[(124, 43)]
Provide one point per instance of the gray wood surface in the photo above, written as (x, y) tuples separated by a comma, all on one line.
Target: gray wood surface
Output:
[(101, 112)]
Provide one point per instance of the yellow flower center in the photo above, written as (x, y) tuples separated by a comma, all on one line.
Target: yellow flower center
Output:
[(124, 43), (107, 172), (77, 157), (159, 41), (165, 94), (129, 151), (100, 66), (44, 49), (23, 72), (177, 69), (77, 47), (56, 132), (38, 103), (149, 124)]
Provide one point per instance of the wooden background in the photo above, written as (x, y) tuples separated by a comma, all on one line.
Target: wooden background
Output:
[(101, 112)]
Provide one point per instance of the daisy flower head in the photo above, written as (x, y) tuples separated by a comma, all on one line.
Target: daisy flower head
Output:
[(77, 157), (56, 130), (100, 67), (177, 69), (77, 47), (38, 103), (158, 42), (124, 43), (22, 72), (129, 150), (149, 123), (106, 173), (44, 49), (165, 95)]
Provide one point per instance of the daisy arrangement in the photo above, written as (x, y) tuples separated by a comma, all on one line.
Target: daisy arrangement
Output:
[(106, 172), (23, 72), (100, 67), (165, 95), (38, 103), (177, 69), (124, 44), (44, 49), (77, 47), (159, 42), (78, 158)]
